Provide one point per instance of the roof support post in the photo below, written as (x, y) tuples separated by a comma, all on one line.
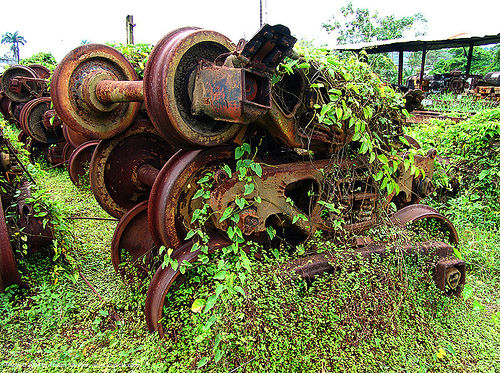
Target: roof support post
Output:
[(422, 68), (469, 60), (400, 67)]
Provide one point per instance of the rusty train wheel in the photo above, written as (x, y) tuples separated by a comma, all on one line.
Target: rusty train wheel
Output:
[(165, 277), (79, 162), (74, 99), (41, 71), (170, 203), (9, 275), (4, 106), (167, 88), (55, 154), (418, 212), (24, 93), (115, 163), (132, 246), (32, 122), (74, 138), (67, 151)]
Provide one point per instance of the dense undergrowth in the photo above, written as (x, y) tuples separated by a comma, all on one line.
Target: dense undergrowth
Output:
[(383, 316), (387, 316)]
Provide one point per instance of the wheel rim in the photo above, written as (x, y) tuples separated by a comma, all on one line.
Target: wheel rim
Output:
[(170, 206), (166, 88), (31, 120), (165, 277), (68, 97), (79, 162), (114, 164), (9, 274), (131, 242), (35, 89)]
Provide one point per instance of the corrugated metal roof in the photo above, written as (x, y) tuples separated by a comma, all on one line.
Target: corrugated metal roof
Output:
[(417, 45)]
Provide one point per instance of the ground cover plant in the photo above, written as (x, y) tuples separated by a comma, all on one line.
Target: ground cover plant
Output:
[(386, 315)]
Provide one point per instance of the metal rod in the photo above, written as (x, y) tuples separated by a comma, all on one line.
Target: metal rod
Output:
[(57, 165), (111, 91), (147, 174), (12, 151)]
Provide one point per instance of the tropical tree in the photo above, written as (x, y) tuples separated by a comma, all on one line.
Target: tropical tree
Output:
[(358, 25), (14, 39)]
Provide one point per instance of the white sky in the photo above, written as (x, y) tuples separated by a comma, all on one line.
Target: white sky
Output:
[(58, 26)]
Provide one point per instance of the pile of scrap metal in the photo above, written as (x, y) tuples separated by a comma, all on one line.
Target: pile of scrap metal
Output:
[(200, 98), (25, 227), (488, 87), (25, 102), (454, 82)]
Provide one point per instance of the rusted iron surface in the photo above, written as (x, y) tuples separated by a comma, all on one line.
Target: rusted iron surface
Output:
[(267, 48), (55, 153), (425, 116), (79, 162), (67, 151), (449, 274), (416, 212), (9, 275), (167, 88), (39, 233), (32, 120), (165, 277), (75, 139), (112, 91), (229, 94), (171, 205), (21, 84), (73, 91), (41, 71), (115, 162), (132, 246)]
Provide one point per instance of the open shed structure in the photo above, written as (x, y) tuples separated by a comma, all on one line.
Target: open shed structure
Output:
[(423, 45)]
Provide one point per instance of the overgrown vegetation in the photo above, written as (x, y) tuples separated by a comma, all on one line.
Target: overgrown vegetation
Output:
[(237, 314)]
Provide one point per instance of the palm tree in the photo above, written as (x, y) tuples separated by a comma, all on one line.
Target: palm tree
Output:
[(15, 39)]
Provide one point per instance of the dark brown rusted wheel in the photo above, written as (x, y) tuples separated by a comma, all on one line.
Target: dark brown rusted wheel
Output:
[(74, 138), (36, 150), (79, 162), (114, 169), (418, 212), (32, 122), (165, 277), (4, 106), (170, 203), (132, 248), (73, 91), (168, 88), (18, 91), (55, 154), (9, 275), (67, 151), (39, 234), (41, 71), (15, 109)]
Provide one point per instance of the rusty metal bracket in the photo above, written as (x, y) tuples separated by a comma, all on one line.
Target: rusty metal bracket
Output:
[(230, 94), (267, 48)]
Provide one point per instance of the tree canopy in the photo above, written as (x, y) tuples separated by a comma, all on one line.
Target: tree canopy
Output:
[(14, 39), (358, 25)]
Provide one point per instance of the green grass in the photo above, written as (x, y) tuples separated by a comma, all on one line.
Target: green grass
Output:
[(384, 317)]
